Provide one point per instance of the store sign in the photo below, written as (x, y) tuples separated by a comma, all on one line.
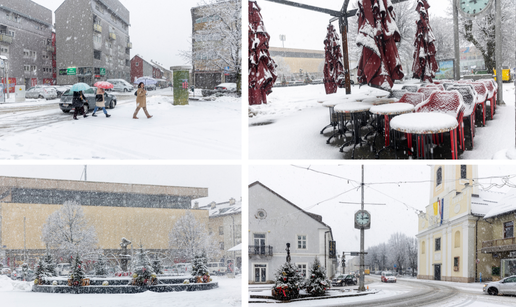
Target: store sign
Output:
[(71, 71), (62, 72), (102, 71)]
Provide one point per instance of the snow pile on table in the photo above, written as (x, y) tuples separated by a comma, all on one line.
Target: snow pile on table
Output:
[(7, 284)]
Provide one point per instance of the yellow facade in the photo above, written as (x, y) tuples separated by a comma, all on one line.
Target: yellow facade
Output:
[(150, 226)]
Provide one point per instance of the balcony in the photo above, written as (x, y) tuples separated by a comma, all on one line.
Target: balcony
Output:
[(97, 28), (112, 35), (500, 245), (6, 38), (260, 250), (129, 45)]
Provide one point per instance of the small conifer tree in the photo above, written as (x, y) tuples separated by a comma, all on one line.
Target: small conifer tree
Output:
[(288, 282), (77, 273), (317, 282)]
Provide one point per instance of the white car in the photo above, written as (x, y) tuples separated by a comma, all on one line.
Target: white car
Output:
[(503, 286), (41, 92), (217, 268), (63, 269), (388, 277), (182, 269), (120, 85), (226, 87)]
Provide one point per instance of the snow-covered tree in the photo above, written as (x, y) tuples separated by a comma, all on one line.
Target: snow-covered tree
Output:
[(444, 45), (412, 254), (143, 272), (199, 265), (317, 283), (282, 69), (40, 272), (157, 266), (189, 237), (100, 266), (49, 265), (288, 282), (77, 273), (398, 249), (67, 231)]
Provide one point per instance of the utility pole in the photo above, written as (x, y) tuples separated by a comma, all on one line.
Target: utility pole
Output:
[(456, 40), (85, 173), (498, 50), (361, 282), (24, 242)]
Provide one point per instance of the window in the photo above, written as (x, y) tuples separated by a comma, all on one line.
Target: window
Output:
[(96, 54), (301, 241), (4, 50), (221, 246), (439, 176), (457, 239), (423, 247), (463, 172), (260, 273), (302, 270), (137, 64), (47, 69), (238, 231), (45, 56), (26, 68), (97, 38), (221, 230), (437, 244), (508, 229), (456, 263)]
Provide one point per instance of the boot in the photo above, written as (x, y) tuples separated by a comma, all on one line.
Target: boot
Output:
[(94, 115), (108, 115), (75, 117), (149, 116), (85, 115), (134, 117)]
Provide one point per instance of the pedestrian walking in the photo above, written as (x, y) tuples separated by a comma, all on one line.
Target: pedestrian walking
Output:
[(100, 103), (78, 104), (141, 101)]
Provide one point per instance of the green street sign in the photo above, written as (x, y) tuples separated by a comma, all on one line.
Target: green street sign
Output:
[(102, 71), (71, 71)]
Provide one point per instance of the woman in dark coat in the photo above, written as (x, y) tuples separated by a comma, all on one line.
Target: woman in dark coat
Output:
[(78, 104)]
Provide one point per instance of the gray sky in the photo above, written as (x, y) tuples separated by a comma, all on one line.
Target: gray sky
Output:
[(223, 182), (306, 189), (306, 29), (159, 28)]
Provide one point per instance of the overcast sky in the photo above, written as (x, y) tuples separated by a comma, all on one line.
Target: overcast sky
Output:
[(306, 189), (159, 28), (223, 182), (306, 29)]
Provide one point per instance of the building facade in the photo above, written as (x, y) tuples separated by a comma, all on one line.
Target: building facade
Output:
[(471, 59), (225, 224), (452, 229), (141, 68), (273, 222), (26, 41), (141, 213), (92, 41)]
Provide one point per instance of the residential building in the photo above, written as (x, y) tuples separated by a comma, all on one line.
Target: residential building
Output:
[(93, 41), (26, 41), (454, 235), (225, 224), (141, 213), (166, 73), (141, 67), (273, 222)]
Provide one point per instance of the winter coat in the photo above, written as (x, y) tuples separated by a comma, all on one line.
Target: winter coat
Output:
[(77, 102), (141, 99), (100, 98)]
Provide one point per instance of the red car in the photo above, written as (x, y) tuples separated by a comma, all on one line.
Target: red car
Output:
[(388, 277)]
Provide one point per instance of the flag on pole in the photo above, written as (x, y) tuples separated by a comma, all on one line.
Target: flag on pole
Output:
[(436, 207), (442, 210)]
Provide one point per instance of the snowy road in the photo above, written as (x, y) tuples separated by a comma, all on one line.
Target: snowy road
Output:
[(38, 129), (412, 292)]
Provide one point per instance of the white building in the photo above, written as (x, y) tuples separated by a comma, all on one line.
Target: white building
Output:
[(273, 222)]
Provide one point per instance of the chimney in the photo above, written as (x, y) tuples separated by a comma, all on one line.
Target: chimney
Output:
[(231, 201), (196, 205)]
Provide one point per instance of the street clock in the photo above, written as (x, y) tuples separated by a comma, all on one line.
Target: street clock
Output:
[(362, 219), (473, 8)]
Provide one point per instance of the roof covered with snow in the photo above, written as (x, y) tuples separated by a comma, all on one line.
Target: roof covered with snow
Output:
[(505, 205), (485, 201), (226, 208)]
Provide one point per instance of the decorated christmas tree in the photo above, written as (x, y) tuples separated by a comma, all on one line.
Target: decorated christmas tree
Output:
[(288, 282), (143, 272), (100, 266), (317, 283), (157, 266), (25, 271), (49, 265), (200, 268), (41, 273), (77, 272)]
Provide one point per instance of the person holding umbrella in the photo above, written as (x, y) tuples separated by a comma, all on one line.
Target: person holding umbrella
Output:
[(78, 104), (141, 101), (99, 98)]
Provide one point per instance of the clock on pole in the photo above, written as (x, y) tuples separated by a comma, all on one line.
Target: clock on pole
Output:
[(473, 8), (362, 219)]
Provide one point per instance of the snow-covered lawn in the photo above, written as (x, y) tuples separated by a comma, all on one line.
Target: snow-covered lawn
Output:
[(289, 126), (200, 130), (18, 294)]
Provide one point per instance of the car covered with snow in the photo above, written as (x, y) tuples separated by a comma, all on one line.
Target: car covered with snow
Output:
[(181, 269), (221, 90), (504, 286), (90, 94), (216, 268), (120, 85), (344, 280), (41, 92), (63, 269), (388, 277)]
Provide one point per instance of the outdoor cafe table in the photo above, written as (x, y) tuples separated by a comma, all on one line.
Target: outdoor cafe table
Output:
[(358, 113), (424, 125), (389, 111), (330, 104)]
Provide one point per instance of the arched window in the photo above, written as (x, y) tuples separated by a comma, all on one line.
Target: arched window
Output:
[(423, 247), (463, 172), (439, 176), (457, 239)]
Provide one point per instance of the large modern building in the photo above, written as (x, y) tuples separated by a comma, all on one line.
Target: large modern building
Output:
[(93, 41), (141, 213), (26, 41), (274, 222)]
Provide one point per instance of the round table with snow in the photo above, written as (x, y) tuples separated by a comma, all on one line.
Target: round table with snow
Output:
[(358, 116), (330, 104), (426, 124), (389, 111)]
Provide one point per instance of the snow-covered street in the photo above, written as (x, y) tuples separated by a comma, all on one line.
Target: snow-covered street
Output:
[(289, 126), (18, 294), (38, 129)]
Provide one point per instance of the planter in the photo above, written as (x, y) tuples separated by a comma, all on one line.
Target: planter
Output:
[(496, 278), (84, 282)]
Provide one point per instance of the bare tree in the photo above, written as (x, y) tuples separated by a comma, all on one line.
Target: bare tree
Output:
[(189, 238), (443, 37), (282, 69), (398, 250), (68, 232), (412, 254)]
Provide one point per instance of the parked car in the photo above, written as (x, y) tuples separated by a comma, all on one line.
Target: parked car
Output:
[(217, 268), (17, 274), (41, 92), (6, 271), (221, 90), (60, 89), (503, 286), (344, 280), (63, 269), (66, 100), (182, 269), (120, 85), (388, 277), (150, 87)]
